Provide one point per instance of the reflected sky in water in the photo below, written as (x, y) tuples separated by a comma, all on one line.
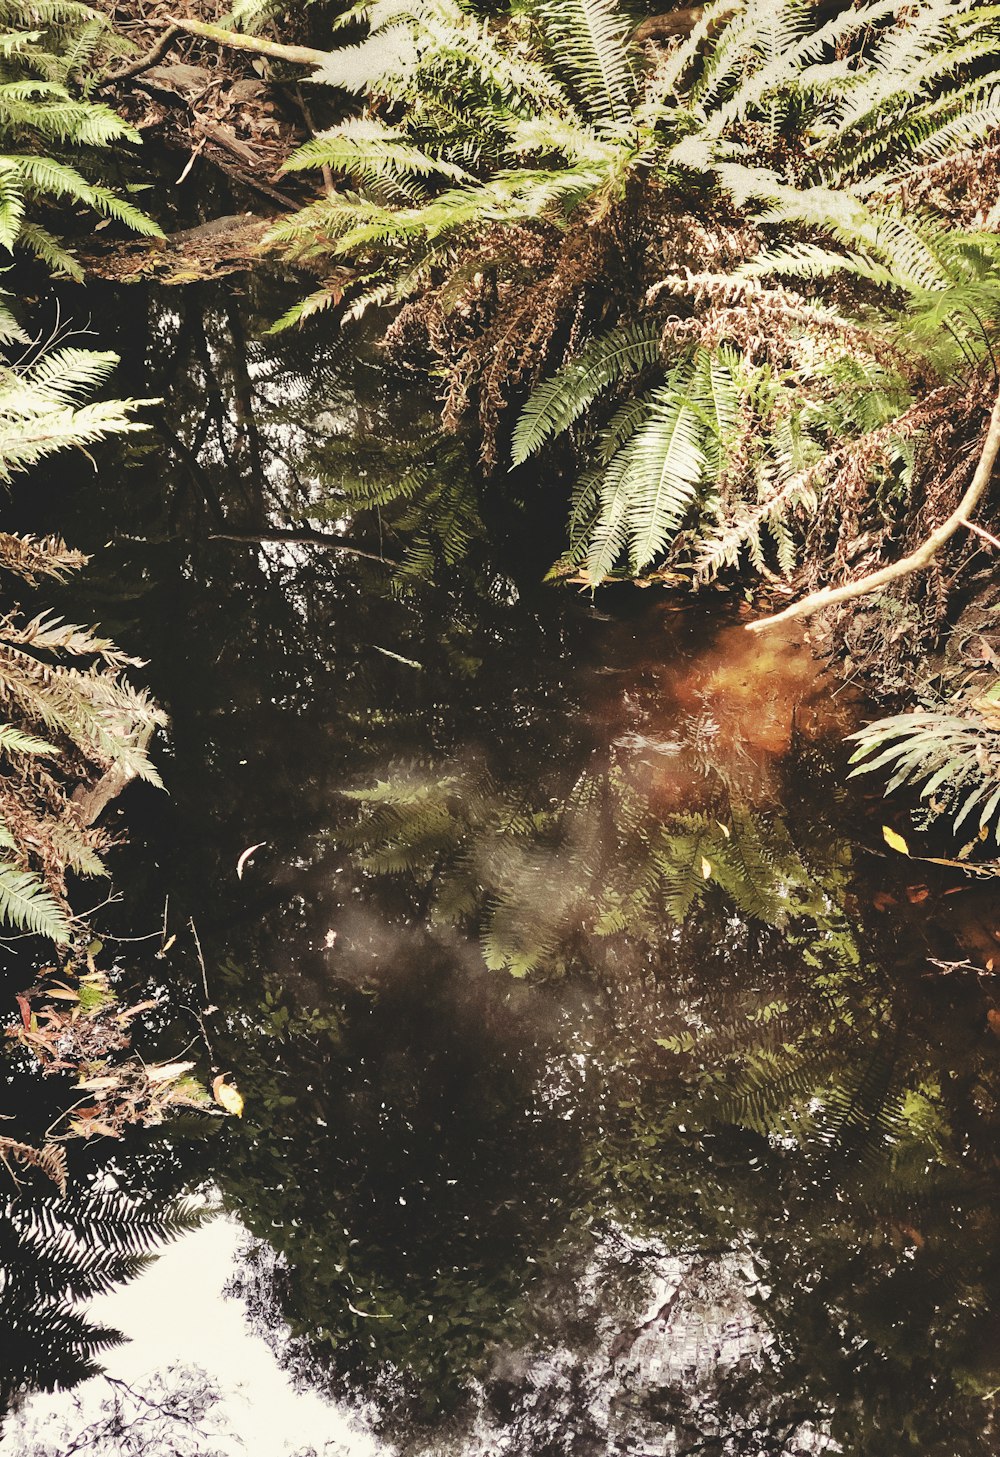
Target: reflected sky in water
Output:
[(599, 1099)]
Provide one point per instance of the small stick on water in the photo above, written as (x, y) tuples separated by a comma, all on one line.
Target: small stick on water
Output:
[(201, 960)]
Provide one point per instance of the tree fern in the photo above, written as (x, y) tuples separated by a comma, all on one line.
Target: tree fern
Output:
[(807, 138)]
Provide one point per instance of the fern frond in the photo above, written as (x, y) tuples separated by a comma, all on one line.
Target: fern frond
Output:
[(954, 757), (666, 460), (563, 398), (588, 40), (27, 904)]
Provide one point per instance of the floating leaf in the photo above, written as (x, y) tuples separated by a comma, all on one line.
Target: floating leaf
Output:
[(227, 1095)]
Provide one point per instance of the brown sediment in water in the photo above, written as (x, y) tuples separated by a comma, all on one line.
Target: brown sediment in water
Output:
[(701, 688)]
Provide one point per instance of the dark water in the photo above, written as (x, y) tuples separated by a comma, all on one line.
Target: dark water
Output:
[(605, 1090)]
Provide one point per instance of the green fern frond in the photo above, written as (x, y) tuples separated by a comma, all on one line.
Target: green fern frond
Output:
[(954, 757), (367, 149), (588, 40), (27, 904), (665, 464), (16, 741), (566, 395)]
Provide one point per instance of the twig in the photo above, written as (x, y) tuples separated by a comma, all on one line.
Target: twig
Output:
[(324, 539), (196, 152), (301, 55), (925, 552), (201, 960), (154, 54), (328, 186), (986, 535)]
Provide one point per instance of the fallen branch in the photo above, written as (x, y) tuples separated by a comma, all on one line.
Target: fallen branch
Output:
[(300, 55), (135, 68), (925, 552), (245, 155), (323, 539)]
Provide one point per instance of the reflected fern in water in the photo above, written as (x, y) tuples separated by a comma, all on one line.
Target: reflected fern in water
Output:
[(56, 1254), (538, 875)]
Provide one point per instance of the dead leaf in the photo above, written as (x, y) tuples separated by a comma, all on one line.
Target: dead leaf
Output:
[(131, 1012), (894, 840), (993, 1018), (227, 1095), (164, 1071)]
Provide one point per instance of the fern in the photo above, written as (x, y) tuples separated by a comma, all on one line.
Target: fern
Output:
[(587, 39), (38, 114), (566, 395), (807, 139), (954, 757), (62, 686), (26, 902)]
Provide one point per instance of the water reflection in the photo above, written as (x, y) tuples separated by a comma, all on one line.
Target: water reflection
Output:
[(714, 1168)]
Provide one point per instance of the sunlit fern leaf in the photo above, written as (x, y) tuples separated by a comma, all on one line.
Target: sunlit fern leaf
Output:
[(27, 904), (665, 464), (588, 40), (608, 535), (953, 756), (566, 395), (367, 150), (42, 125)]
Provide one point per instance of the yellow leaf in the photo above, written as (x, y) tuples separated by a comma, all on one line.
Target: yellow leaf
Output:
[(894, 841), (706, 868), (227, 1095)]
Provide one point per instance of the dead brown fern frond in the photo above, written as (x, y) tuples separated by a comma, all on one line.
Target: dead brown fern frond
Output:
[(50, 1160)]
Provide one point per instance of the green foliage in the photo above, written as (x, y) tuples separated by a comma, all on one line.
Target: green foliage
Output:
[(70, 714), (797, 142), (569, 393), (953, 755), (42, 124), (43, 407), (531, 875)]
